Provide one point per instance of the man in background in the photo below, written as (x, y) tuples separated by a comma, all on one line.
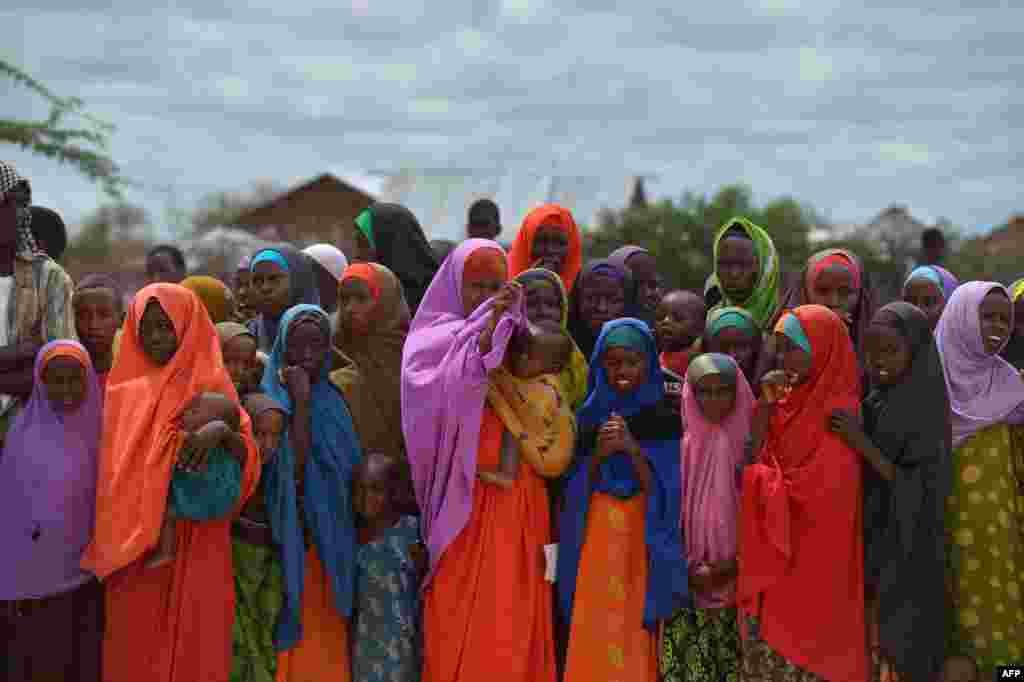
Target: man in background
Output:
[(484, 221)]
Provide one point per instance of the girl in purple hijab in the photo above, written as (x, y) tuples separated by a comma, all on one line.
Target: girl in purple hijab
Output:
[(50, 609), (486, 604), (986, 543)]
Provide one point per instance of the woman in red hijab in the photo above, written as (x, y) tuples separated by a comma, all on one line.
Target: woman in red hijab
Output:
[(801, 570), (172, 623), (548, 239)]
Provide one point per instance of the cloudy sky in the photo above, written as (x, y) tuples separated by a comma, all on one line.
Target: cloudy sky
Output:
[(848, 106)]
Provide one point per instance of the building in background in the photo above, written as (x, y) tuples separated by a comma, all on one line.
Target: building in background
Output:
[(321, 210)]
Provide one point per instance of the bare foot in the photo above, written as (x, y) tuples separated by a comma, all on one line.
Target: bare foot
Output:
[(497, 478)]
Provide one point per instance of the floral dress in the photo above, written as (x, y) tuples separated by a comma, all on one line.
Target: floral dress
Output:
[(386, 646), (985, 520)]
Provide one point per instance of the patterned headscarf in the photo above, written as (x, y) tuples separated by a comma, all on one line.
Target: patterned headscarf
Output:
[(13, 183)]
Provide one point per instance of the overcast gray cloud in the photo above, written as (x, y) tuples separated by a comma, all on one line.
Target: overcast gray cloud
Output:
[(849, 106)]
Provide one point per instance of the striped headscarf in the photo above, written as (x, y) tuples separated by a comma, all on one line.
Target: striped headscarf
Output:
[(11, 182)]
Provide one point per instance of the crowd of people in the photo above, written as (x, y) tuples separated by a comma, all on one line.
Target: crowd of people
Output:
[(451, 463)]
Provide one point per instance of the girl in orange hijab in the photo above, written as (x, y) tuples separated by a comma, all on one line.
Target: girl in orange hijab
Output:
[(548, 239), (172, 623)]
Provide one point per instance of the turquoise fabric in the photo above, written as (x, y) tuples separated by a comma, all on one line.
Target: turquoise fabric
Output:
[(211, 494), (795, 332)]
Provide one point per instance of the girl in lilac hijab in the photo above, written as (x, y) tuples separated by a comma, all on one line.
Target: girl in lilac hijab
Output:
[(50, 609), (986, 396), (486, 605)]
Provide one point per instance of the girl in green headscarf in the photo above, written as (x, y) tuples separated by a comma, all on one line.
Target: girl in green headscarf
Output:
[(746, 270)]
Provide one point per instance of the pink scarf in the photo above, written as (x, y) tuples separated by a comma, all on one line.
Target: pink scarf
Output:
[(710, 455)]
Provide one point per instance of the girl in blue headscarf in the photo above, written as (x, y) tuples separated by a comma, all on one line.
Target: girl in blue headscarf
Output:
[(281, 277), (621, 569), (307, 490)]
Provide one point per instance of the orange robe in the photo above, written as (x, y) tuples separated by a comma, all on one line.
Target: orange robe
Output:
[(173, 623), (323, 653), (607, 640), (487, 611)]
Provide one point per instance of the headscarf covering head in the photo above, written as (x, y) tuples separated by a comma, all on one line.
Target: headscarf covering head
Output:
[(657, 429), (802, 459), (326, 485), (764, 298), (910, 423), (864, 307), (579, 327), (983, 389), (214, 294), (371, 378), (48, 486), (94, 281), (573, 376), (401, 246), (140, 433), (708, 364), (485, 264), (602, 398), (521, 257), (228, 331), (12, 183), (937, 275), (444, 387), (730, 317), (302, 285), (711, 454), (367, 274), (330, 258)]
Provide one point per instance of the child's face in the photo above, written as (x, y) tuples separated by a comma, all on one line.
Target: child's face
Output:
[(374, 488), (603, 299), (626, 369), (644, 268), (887, 355), (157, 336), (64, 381), (355, 306), (543, 306), (679, 321), (240, 359), (307, 347), (716, 397), (268, 428), (737, 267), (97, 319), (200, 412), (243, 288), (833, 288), (793, 360), (739, 344), (925, 294), (270, 292), (996, 316)]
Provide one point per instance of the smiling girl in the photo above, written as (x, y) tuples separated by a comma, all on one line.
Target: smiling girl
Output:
[(621, 566), (986, 395)]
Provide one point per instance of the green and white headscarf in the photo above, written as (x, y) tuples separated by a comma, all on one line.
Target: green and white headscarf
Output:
[(764, 299)]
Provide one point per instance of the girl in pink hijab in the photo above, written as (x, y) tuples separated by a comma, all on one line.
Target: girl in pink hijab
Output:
[(718, 405)]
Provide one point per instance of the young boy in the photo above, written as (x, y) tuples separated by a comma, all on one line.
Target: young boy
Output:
[(212, 423), (531, 355), (99, 312)]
